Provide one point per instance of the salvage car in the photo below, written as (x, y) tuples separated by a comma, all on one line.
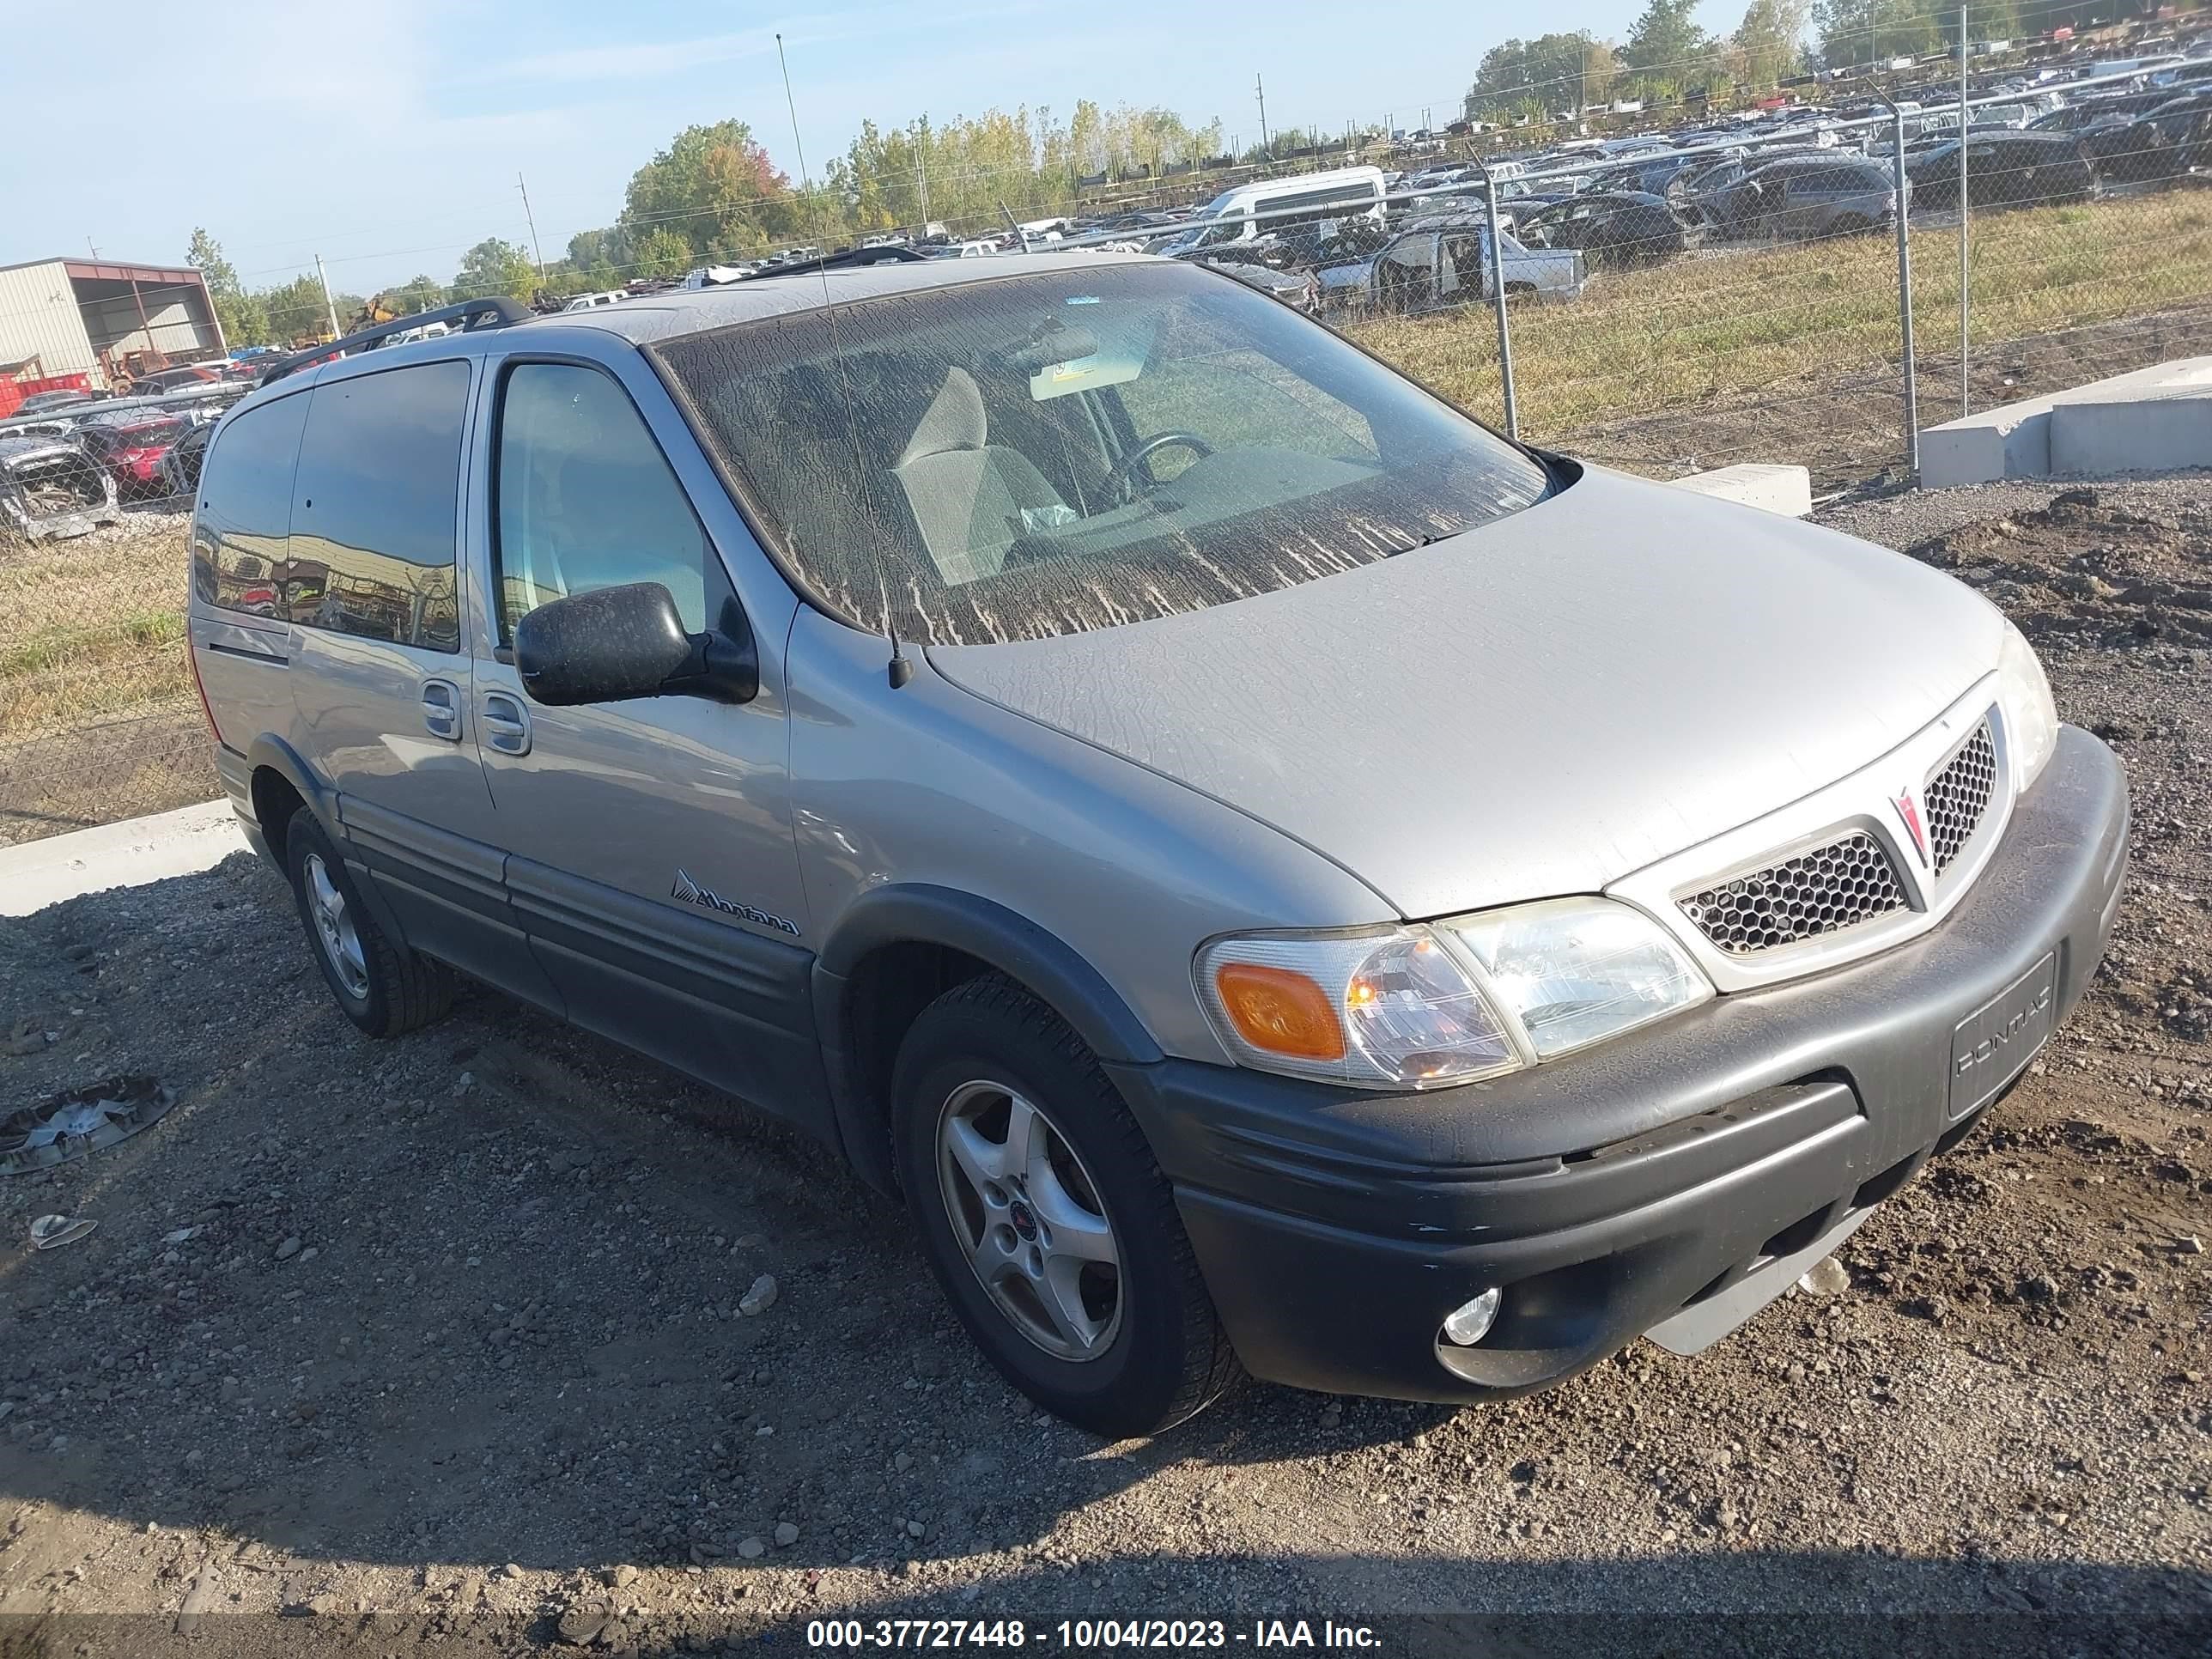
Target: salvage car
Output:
[(2173, 140), (1804, 198), (131, 443), (1015, 719), (1441, 263), (1614, 227), (51, 489), (2016, 169), (180, 471)]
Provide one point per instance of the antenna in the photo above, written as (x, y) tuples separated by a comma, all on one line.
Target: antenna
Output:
[(900, 670)]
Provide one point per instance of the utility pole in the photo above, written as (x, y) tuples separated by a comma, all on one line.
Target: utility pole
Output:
[(532, 218), (922, 174), (329, 306), (1965, 218), (1260, 89)]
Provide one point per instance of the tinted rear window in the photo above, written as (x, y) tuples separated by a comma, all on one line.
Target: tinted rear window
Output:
[(374, 547), (246, 508)]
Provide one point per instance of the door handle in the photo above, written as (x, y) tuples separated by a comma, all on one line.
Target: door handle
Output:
[(506, 726), (442, 709)]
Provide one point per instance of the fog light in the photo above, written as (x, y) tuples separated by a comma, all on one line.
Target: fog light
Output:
[(1469, 1322)]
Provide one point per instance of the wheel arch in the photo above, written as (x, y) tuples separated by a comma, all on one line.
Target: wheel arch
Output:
[(280, 780), (894, 951)]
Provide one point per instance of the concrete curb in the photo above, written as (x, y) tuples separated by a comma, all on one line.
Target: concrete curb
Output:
[(132, 853)]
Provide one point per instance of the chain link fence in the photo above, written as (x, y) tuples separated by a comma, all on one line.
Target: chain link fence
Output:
[(1718, 326), (1746, 331), (99, 721)]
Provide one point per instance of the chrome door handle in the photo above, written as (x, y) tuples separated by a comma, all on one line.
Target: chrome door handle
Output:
[(442, 709), (506, 726)]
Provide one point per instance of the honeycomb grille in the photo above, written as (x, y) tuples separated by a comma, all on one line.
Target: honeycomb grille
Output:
[(1958, 795), (1824, 891)]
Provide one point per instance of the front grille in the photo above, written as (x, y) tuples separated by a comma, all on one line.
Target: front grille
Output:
[(1823, 891), (1958, 795)]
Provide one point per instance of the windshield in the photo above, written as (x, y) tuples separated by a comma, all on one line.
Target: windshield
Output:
[(1048, 454)]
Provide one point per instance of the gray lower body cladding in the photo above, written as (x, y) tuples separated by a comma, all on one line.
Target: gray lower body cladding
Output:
[(1627, 1188)]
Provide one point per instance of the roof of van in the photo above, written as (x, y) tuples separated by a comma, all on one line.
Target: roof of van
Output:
[(692, 311), (1297, 183)]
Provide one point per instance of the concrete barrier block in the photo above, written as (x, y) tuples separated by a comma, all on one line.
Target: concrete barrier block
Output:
[(2154, 420), (1784, 489)]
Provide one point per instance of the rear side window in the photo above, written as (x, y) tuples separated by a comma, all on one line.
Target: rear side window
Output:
[(245, 510), (374, 548)]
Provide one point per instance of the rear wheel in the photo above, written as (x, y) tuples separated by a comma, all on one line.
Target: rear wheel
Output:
[(1045, 1220), (381, 987)]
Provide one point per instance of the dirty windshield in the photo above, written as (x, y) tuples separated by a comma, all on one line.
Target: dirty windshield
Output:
[(1084, 447)]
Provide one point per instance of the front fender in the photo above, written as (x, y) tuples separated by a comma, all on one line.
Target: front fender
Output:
[(924, 914)]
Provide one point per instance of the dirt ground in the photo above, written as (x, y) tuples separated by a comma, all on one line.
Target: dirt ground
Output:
[(436, 1344)]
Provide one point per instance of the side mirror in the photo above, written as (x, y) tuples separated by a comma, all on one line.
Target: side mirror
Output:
[(615, 644)]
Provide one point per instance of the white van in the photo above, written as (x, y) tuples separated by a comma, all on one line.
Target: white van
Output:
[(1251, 211)]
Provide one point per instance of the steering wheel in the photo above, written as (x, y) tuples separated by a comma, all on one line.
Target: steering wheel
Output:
[(1114, 486)]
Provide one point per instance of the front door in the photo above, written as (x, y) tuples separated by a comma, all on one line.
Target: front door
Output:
[(652, 859)]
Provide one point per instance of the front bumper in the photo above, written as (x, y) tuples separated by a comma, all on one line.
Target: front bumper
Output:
[(1678, 1176)]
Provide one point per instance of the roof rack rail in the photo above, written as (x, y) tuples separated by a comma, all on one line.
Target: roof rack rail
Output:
[(844, 259), (497, 312)]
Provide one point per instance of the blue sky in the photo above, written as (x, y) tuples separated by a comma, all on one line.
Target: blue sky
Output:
[(292, 129)]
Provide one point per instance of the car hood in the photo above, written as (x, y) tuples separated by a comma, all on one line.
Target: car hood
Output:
[(1538, 706)]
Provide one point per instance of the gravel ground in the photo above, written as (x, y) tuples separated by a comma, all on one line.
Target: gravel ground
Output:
[(445, 1341)]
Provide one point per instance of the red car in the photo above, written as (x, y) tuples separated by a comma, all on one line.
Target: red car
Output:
[(132, 450)]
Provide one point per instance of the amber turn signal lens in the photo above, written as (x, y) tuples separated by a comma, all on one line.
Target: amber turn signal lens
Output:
[(1279, 1010)]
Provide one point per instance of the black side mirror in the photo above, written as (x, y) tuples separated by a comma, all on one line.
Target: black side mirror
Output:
[(614, 644)]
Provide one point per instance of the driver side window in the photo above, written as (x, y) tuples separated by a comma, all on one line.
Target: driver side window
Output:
[(586, 499), (1182, 390)]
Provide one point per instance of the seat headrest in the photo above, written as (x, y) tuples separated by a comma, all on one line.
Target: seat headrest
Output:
[(954, 420)]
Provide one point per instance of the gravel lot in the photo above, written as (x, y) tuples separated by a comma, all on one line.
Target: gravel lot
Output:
[(441, 1339)]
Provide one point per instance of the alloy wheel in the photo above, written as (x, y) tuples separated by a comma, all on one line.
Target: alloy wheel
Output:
[(1027, 1216), (334, 927)]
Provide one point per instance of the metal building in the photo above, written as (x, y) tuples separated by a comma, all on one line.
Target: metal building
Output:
[(104, 318)]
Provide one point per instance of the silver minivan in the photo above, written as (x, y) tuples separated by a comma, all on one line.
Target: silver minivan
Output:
[(1273, 875)]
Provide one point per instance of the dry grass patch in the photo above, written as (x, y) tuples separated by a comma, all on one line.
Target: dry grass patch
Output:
[(92, 630), (1727, 323)]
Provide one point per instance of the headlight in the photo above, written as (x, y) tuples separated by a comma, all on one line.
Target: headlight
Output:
[(1381, 1009), (2031, 719), (1423, 1007), (1571, 971)]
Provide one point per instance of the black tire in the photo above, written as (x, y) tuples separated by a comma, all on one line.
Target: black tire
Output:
[(397, 989), (1168, 1358)]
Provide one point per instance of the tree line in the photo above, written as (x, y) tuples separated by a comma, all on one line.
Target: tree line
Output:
[(714, 195), (1666, 58)]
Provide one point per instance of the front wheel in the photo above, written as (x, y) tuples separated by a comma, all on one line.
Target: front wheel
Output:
[(1049, 1225)]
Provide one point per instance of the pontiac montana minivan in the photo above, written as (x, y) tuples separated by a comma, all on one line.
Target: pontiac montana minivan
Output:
[(1272, 874)]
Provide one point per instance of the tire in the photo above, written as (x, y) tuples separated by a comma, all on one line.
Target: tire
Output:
[(1160, 1353), (381, 987)]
